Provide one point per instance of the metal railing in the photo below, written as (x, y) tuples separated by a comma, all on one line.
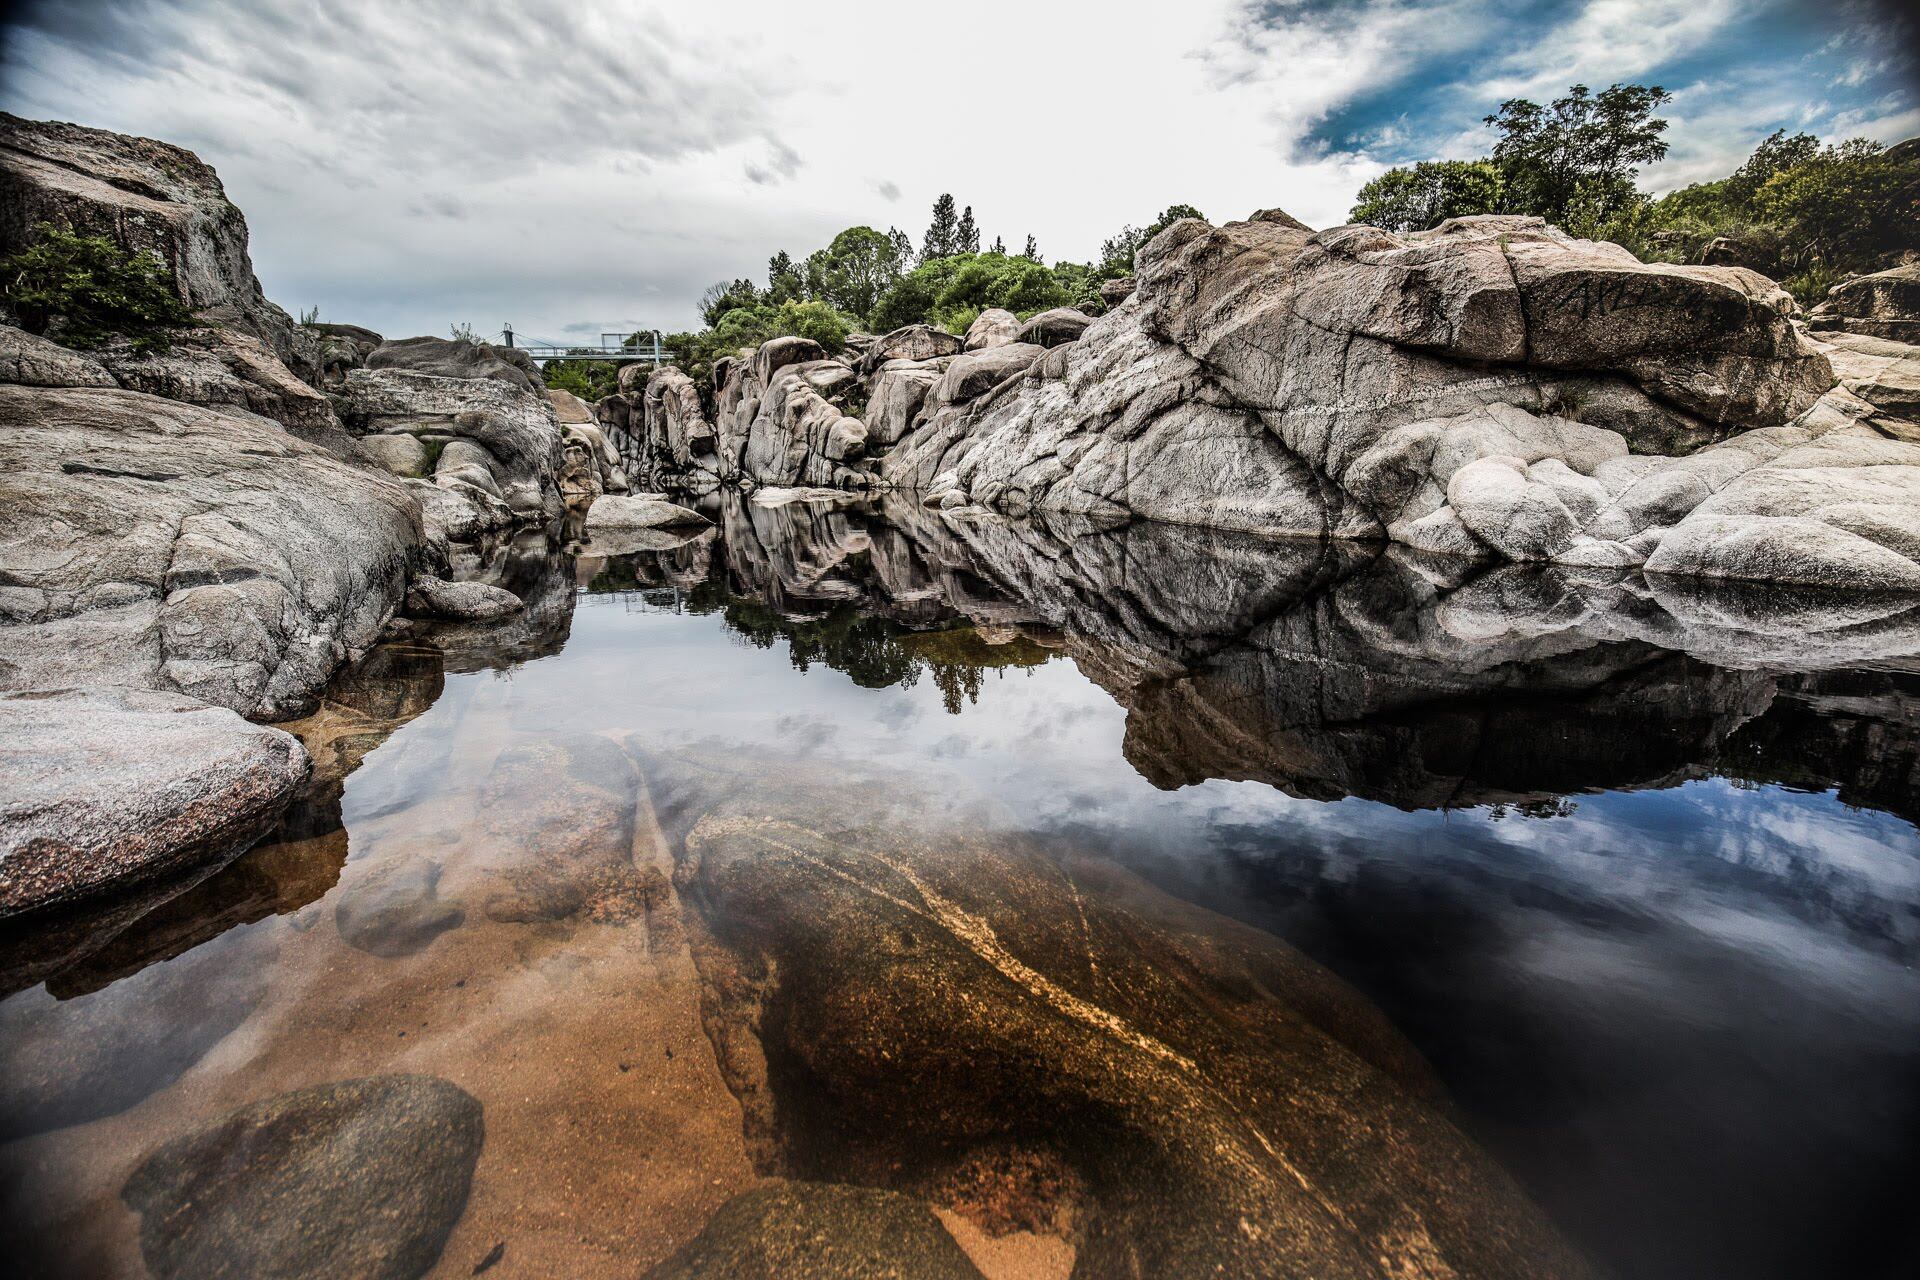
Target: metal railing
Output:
[(612, 346)]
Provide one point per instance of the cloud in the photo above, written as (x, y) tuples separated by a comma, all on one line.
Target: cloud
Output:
[(599, 163)]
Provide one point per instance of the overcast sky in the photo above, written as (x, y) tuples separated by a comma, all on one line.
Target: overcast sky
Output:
[(594, 164)]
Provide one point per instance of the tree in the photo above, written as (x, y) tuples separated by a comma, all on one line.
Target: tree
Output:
[(1032, 252), (999, 246), (88, 288), (1776, 153), (1846, 206), (966, 236), (1428, 194), (784, 281), (1574, 161), (723, 296), (902, 246), (940, 241), (1117, 251), (857, 268)]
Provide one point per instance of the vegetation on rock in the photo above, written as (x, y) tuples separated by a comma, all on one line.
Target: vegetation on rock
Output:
[(84, 290), (1806, 214)]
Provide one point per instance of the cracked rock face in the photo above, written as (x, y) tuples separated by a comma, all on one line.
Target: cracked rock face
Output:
[(109, 787), (160, 545), (146, 196)]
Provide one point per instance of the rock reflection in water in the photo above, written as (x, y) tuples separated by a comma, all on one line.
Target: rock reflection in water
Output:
[(988, 925)]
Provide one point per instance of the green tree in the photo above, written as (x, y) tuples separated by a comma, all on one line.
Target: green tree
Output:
[(1117, 251), (1776, 153), (724, 296), (591, 380), (941, 239), (784, 281), (859, 266), (1845, 207), (1576, 158), (966, 236), (1032, 252), (1428, 194), (85, 289)]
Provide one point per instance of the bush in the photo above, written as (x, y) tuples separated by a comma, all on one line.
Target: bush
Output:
[(591, 380), (86, 289)]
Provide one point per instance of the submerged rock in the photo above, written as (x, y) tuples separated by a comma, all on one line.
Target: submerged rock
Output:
[(151, 543), (930, 1001), (359, 1178), (817, 1231), (108, 787)]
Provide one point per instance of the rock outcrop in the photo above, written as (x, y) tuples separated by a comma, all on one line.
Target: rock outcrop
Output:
[(1883, 305), (149, 197), (105, 788), (161, 545), (493, 444)]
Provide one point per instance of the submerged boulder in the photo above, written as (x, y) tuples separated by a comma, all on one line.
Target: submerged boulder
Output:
[(156, 544), (108, 787), (640, 511), (819, 1231), (358, 1178), (431, 597)]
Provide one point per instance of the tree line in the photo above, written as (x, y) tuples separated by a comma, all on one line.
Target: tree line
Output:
[(1807, 214)]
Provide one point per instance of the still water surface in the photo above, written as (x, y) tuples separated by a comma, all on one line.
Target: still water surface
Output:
[(1010, 868)]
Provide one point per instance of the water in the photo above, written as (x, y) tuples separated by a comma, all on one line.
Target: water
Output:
[(1615, 892)]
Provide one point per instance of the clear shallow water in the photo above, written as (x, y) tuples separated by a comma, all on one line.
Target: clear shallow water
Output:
[(1650, 920)]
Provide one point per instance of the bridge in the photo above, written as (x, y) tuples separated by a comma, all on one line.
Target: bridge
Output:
[(612, 347)]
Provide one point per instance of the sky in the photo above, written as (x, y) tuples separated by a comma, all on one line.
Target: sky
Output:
[(593, 165)]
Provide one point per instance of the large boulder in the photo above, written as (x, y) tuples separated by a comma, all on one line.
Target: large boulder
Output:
[(933, 1005), (819, 1231), (911, 342), (1054, 328), (640, 511), (459, 358), (162, 545), (32, 361), (222, 367), (569, 408), (675, 441), (994, 327), (488, 434), (358, 1178), (107, 787), (1885, 304), (149, 197)]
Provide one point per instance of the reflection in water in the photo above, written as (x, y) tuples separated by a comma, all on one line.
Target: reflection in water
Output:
[(997, 865)]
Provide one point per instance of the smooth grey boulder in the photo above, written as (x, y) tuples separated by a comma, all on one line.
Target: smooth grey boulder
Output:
[(1885, 304), (361, 1178), (640, 511), (147, 196), (994, 327), (569, 408), (157, 544), (675, 443), (431, 597), (108, 787), (976, 372), (458, 358), (32, 361), (896, 391), (819, 1231), (1115, 292), (1054, 328), (912, 342), (777, 353), (397, 451)]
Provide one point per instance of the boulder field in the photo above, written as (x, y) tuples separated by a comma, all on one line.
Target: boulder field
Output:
[(1491, 389)]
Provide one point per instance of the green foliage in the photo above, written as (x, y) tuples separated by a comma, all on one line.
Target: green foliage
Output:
[(1574, 160), (851, 273), (724, 296), (951, 291), (86, 289), (942, 236), (463, 332), (309, 317), (1117, 251), (1428, 194), (589, 379), (748, 326)]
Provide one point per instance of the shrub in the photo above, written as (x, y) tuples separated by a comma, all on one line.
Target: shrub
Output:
[(86, 289)]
